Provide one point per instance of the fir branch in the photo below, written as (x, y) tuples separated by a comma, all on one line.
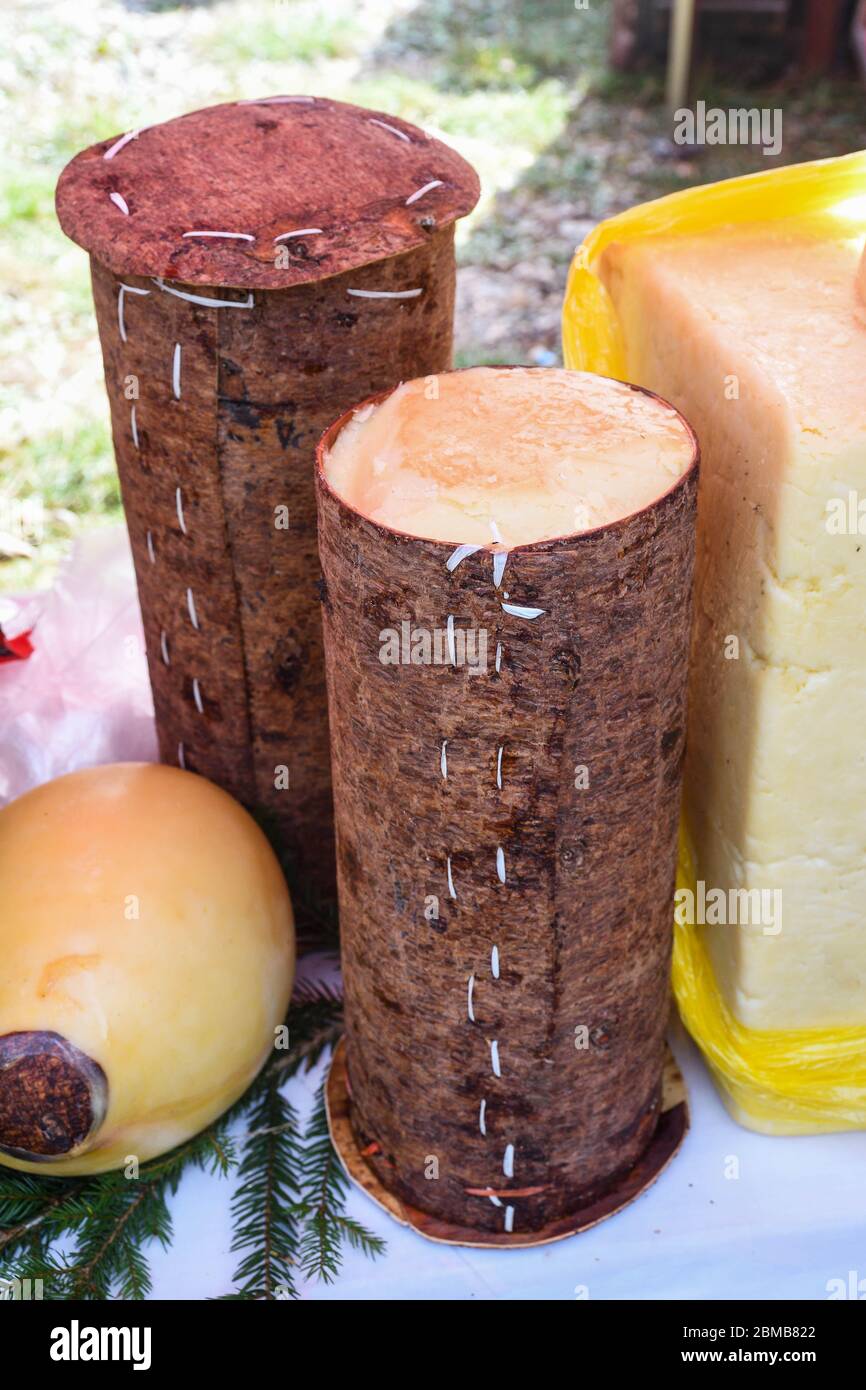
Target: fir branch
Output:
[(325, 1187), (287, 1211), (263, 1208)]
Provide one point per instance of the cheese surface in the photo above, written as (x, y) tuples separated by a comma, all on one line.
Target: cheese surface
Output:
[(517, 455), (758, 336)]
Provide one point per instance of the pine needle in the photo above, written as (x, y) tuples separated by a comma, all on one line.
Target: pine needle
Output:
[(288, 1213)]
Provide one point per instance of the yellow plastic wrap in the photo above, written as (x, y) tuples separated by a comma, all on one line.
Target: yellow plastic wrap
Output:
[(797, 1081)]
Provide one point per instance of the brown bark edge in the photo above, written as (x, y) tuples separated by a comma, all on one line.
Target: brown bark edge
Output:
[(360, 1168), (506, 949), (215, 417)]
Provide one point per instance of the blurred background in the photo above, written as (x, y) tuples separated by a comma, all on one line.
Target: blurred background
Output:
[(562, 105)]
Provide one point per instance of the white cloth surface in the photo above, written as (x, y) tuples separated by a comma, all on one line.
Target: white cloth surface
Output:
[(794, 1220), (790, 1223)]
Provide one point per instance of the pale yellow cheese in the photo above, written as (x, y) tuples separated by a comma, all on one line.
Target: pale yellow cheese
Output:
[(514, 455), (758, 336), (146, 922)]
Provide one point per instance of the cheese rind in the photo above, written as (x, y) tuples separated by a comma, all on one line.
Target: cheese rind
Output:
[(757, 335)]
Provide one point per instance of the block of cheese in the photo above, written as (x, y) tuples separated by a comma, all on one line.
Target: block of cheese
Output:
[(757, 333)]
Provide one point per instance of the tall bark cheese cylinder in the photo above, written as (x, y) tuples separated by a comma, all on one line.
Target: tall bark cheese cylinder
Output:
[(507, 557), (257, 267)]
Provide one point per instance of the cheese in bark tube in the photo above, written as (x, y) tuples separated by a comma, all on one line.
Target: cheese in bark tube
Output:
[(257, 267), (507, 558)]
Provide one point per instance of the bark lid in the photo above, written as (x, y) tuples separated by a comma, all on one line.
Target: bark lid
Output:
[(360, 185), (52, 1096)]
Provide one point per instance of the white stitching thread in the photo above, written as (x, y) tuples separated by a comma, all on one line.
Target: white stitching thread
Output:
[(302, 231), (386, 294), (419, 192), (191, 609), (401, 134), (121, 291), (459, 555), (247, 303), (518, 610), (452, 650), (235, 236), (119, 144), (274, 101)]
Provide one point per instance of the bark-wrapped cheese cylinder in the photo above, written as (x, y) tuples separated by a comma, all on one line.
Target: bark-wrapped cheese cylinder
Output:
[(507, 720), (257, 267)]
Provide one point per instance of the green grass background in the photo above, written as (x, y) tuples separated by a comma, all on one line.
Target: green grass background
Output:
[(521, 87)]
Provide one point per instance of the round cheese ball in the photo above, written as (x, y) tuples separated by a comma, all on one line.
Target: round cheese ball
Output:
[(147, 955)]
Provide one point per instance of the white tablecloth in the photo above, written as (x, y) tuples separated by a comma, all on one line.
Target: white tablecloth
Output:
[(792, 1221)]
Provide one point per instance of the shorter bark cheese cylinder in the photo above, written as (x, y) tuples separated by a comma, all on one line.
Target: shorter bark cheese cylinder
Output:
[(507, 558)]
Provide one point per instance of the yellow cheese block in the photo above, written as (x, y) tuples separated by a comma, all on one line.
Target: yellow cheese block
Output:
[(755, 333)]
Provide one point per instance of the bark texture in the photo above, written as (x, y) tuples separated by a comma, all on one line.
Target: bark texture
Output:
[(52, 1095), (217, 406), (254, 171), (506, 929), (220, 503)]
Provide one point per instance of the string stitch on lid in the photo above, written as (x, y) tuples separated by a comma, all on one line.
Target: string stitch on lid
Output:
[(302, 231), (401, 134), (119, 144), (419, 192), (237, 236)]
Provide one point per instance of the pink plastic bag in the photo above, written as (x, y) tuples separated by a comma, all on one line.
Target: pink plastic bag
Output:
[(83, 696)]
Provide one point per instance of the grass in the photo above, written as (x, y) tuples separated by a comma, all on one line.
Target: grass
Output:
[(521, 87)]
